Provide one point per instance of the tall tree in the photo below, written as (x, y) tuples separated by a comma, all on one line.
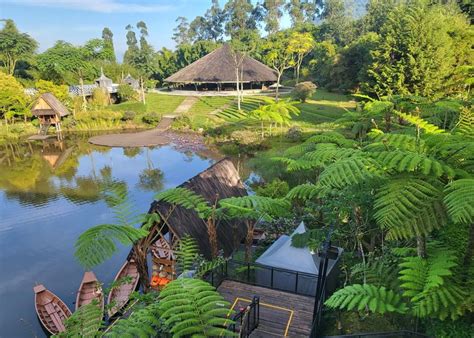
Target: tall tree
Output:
[(300, 44), (132, 44), (338, 21), (273, 14), (108, 36), (215, 18), (277, 55), (65, 64), (13, 99), (242, 17), (181, 31), (421, 48), (14, 46)]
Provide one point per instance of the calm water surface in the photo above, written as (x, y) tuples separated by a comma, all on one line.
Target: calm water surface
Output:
[(49, 194)]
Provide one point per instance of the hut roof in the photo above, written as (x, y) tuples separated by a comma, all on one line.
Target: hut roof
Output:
[(55, 106), (218, 66), (221, 180)]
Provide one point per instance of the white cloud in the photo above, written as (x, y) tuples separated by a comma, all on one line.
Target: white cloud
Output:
[(103, 6)]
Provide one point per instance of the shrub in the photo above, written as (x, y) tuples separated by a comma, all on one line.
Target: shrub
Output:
[(60, 91), (125, 93), (151, 118), (100, 97), (303, 90), (294, 134), (128, 116), (275, 189)]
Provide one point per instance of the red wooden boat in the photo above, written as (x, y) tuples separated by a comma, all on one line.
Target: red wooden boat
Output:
[(51, 310), (120, 295), (89, 290)]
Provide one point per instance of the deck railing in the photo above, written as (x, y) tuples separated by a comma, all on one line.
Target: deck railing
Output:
[(265, 276), (247, 320)]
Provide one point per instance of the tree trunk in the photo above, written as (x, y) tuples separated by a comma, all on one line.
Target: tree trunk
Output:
[(278, 86), (261, 125), (143, 91), (140, 255), (298, 66), (249, 241), (421, 246), (84, 101), (237, 86), (467, 260), (212, 233)]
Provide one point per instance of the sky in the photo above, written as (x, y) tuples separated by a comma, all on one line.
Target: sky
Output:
[(77, 21)]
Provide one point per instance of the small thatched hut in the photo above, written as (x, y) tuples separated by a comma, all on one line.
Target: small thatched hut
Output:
[(132, 82), (221, 180), (104, 82), (49, 111), (217, 70)]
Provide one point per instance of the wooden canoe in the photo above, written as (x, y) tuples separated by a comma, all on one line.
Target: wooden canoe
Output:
[(51, 310), (89, 290), (120, 295)]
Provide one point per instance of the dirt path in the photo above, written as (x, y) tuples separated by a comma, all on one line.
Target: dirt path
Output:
[(148, 138)]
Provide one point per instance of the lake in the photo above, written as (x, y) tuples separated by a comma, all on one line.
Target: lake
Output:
[(50, 194)]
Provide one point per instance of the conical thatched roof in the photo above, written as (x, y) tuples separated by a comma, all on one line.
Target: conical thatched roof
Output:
[(221, 180), (48, 104), (219, 66)]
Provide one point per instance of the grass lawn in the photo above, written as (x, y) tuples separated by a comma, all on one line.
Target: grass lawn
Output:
[(159, 103)]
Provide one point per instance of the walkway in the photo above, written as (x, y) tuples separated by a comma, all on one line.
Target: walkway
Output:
[(281, 313), (149, 138)]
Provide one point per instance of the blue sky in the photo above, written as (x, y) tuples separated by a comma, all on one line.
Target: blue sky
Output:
[(77, 21)]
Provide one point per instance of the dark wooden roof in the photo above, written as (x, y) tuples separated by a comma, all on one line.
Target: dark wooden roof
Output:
[(219, 66), (56, 107), (221, 180)]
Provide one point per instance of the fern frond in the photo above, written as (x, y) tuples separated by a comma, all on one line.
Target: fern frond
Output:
[(459, 200), (98, 243), (359, 297), (305, 191), (143, 322), (187, 199), (428, 284), (349, 171), (332, 137), (254, 207), (420, 123), (325, 154), (395, 142), (84, 322), (296, 164), (404, 207), (465, 125), (187, 253), (201, 310), (406, 161)]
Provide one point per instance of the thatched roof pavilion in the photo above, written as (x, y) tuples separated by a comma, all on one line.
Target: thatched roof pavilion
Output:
[(221, 180), (218, 67)]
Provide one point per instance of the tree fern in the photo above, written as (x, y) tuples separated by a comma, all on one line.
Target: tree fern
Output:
[(358, 297), (407, 207), (459, 200), (98, 243), (192, 307), (420, 123), (84, 322)]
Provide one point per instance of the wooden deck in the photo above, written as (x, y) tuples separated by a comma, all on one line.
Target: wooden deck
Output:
[(281, 313)]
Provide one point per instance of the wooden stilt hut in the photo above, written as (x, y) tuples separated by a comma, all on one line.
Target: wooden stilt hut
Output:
[(49, 111), (221, 180)]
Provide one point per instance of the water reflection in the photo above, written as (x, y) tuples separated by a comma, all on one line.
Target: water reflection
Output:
[(49, 194)]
